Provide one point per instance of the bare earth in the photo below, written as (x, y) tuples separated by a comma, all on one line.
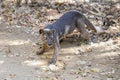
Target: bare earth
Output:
[(18, 60)]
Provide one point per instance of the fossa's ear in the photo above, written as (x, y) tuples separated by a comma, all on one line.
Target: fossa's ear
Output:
[(41, 31)]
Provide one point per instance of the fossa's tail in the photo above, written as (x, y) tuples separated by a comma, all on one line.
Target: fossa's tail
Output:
[(89, 24)]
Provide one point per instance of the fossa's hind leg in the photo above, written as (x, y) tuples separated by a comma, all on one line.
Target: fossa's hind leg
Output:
[(82, 29)]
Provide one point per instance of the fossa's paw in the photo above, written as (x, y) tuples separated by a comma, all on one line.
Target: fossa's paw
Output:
[(53, 61)]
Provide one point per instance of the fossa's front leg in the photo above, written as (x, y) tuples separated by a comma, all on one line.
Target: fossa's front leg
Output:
[(56, 51)]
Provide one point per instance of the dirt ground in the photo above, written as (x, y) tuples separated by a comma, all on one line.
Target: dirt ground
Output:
[(77, 60), (18, 59)]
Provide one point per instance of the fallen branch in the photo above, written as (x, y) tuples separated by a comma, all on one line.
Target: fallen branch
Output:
[(94, 11)]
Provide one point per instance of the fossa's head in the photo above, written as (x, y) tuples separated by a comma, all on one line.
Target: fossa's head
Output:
[(48, 36)]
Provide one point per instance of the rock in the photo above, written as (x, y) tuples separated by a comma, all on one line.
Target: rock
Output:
[(54, 78), (82, 62), (12, 75), (53, 67), (1, 62), (88, 49), (44, 68), (109, 78)]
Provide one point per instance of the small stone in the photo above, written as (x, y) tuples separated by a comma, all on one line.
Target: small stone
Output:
[(109, 78), (89, 49), (1, 62), (82, 62), (67, 57), (53, 67), (44, 68), (12, 75), (95, 70)]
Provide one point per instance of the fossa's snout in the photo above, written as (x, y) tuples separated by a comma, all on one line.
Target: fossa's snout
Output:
[(49, 42)]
